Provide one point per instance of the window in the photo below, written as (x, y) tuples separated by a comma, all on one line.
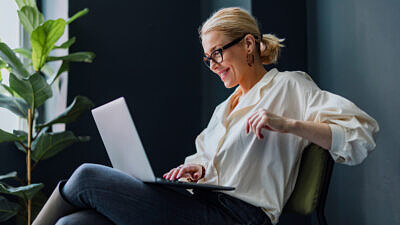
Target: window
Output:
[(10, 34), (57, 104)]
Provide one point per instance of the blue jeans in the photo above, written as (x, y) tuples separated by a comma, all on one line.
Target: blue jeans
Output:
[(108, 196)]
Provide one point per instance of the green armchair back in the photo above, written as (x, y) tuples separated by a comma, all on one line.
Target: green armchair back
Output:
[(312, 183)]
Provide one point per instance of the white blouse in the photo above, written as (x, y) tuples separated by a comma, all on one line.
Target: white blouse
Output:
[(264, 171)]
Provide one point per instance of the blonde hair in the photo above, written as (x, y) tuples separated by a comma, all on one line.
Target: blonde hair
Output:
[(235, 22)]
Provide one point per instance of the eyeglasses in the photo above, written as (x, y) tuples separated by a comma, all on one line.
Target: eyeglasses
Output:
[(217, 56)]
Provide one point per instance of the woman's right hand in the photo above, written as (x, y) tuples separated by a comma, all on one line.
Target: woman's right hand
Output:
[(193, 171)]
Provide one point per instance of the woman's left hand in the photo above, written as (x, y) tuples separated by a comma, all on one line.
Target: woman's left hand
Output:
[(262, 119)]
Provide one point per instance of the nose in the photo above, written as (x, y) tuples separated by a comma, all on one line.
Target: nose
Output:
[(213, 66)]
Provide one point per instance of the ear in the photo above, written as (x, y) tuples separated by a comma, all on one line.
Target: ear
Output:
[(250, 43)]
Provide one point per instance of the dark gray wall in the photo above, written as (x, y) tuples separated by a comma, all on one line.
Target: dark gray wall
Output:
[(148, 52), (286, 19), (353, 51)]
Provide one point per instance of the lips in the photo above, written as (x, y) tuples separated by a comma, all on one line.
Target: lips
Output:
[(223, 73)]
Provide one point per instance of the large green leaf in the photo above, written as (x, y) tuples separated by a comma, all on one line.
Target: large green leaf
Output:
[(63, 68), (43, 40), (74, 57), (67, 44), (7, 137), (8, 209), (77, 15), (24, 192), (8, 89), (27, 53), (30, 18), (72, 113), (8, 56), (49, 144), (15, 105), (41, 89), (8, 175), (35, 90), (47, 70), (22, 3), (22, 87)]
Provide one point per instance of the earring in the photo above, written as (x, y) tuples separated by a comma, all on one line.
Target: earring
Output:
[(250, 62)]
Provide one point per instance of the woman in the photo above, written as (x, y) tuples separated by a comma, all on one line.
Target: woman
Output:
[(253, 142)]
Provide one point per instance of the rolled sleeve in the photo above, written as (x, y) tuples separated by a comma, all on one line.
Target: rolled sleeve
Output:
[(195, 159), (338, 139), (353, 131)]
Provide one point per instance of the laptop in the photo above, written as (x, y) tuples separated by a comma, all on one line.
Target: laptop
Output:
[(125, 150)]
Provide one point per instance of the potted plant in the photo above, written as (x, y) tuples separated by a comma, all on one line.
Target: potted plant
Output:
[(30, 85)]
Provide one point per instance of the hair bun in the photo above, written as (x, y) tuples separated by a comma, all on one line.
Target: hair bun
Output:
[(270, 47)]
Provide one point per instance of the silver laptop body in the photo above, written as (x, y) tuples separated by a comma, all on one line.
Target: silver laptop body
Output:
[(125, 149)]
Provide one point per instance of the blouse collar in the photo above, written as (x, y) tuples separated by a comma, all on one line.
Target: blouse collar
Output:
[(252, 97)]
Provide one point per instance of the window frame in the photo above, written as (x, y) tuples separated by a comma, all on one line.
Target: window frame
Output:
[(11, 34)]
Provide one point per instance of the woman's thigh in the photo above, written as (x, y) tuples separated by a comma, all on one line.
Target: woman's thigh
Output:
[(124, 199)]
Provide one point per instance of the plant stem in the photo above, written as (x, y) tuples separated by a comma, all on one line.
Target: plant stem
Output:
[(28, 161), (37, 133), (34, 165), (26, 148), (20, 181)]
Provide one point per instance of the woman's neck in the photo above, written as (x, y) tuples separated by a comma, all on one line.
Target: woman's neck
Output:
[(251, 78)]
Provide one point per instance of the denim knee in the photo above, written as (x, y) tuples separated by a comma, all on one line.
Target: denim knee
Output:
[(66, 221), (85, 171), (73, 219), (86, 217), (80, 178)]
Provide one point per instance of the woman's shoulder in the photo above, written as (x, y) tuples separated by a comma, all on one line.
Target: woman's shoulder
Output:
[(298, 79), (294, 76)]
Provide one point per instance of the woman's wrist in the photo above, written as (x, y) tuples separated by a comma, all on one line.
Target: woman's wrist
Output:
[(291, 125), (318, 133)]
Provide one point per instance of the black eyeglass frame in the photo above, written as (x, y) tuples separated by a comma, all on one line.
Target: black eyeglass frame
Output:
[(207, 59)]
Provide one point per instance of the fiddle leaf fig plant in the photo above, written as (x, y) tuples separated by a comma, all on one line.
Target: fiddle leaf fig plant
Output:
[(30, 86)]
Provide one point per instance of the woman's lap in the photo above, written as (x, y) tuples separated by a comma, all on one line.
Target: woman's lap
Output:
[(124, 199)]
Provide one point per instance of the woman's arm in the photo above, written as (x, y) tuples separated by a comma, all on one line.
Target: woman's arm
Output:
[(318, 133)]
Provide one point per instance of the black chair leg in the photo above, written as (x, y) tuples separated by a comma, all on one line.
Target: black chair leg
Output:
[(320, 210), (321, 216)]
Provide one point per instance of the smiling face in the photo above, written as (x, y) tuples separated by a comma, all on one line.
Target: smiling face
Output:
[(234, 64)]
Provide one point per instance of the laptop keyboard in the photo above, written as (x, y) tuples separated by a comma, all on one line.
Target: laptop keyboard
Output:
[(170, 181)]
